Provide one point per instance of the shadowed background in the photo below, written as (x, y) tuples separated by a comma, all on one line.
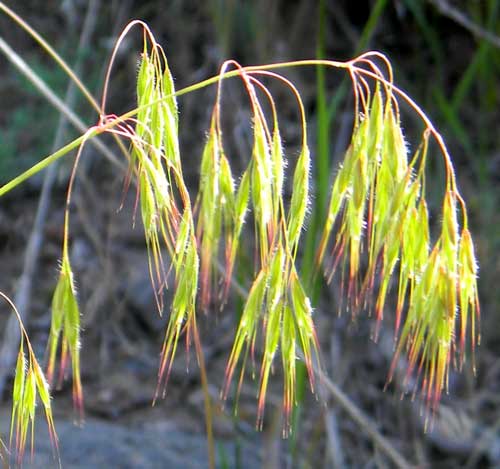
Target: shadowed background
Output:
[(445, 54)]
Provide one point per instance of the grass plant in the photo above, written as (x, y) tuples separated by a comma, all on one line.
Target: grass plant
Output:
[(376, 232)]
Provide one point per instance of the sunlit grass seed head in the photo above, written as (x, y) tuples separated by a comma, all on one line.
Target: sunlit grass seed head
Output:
[(165, 203), (261, 187), (278, 167), (469, 300), (270, 297), (278, 301), (450, 229), (210, 216), (65, 332), (155, 161), (428, 334), (183, 310), (300, 197), (377, 204), (29, 385), (247, 327)]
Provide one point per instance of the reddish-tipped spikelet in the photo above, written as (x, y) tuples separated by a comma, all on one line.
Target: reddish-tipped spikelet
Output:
[(165, 202), (29, 383), (377, 204), (379, 190), (279, 300), (216, 217), (65, 332), (182, 311)]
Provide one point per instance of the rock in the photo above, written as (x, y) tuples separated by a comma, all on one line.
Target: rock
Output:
[(98, 444)]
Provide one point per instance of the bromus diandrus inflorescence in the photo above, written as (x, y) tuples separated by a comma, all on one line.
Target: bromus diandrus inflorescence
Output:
[(377, 232), (378, 202), (29, 386)]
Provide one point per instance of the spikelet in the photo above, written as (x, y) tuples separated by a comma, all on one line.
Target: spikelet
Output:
[(65, 332), (165, 203), (467, 288), (29, 384), (240, 209), (163, 198), (277, 298), (379, 192), (261, 188), (210, 216), (182, 312), (216, 218), (300, 198)]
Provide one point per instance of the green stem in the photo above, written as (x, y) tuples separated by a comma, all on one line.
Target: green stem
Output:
[(323, 119), (349, 65), (41, 165), (52, 53), (206, 395)]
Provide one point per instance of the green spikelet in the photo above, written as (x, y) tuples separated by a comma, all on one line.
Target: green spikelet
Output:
[(65, 330)]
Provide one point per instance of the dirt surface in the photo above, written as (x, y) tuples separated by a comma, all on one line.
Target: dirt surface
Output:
[(157, 444)]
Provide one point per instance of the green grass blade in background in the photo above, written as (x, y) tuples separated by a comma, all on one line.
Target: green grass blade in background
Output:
[(326, 113)]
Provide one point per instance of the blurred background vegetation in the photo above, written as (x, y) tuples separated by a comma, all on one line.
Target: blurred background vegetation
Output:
[(446, 55)]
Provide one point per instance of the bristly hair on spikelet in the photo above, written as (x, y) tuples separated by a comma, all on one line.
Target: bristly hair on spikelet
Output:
[(65, 332), (277, 299), (29, 386), (162, 195), (378, 202), (377, 206)]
